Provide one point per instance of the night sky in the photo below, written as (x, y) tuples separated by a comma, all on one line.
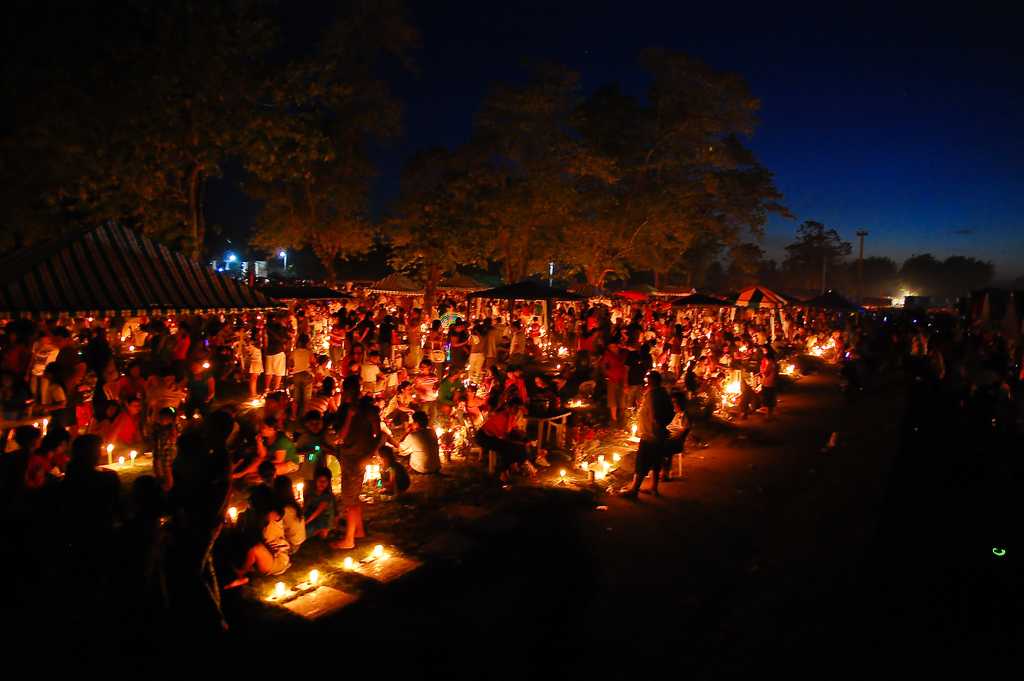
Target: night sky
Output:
[(908, 125)]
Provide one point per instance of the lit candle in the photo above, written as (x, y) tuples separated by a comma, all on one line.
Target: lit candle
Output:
[(233, 514), (561, 473), (46, 423), (600, 458), (347, 563), (632, 430), (206, 365), (299, 487), (314, 576), (120, 461), (585, 466), (133, 454), (378, 551), (279, 590), (616, 457)]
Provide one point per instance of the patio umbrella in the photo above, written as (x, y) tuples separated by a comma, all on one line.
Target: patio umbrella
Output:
[(759, 298), (830, 300), (397, 284), (526, 290), (699, 300)]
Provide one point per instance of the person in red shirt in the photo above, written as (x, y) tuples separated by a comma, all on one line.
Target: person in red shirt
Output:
[(613, 363), (498, 434), (126, 430)]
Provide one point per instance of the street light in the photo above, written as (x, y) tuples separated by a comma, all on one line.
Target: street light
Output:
[(232, 257), (861, 233), (284, 256)]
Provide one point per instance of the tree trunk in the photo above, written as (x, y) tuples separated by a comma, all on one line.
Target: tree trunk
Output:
[(430, 290), (195, 211)]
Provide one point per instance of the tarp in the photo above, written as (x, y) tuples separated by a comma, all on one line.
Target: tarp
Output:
[(397, 284), (699, 300), (759, 298), (110, 270), (526, 290), (302, 293), (830, 300)]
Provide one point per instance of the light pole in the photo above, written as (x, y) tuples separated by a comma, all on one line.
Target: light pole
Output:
[(284, 256), (861, 233)]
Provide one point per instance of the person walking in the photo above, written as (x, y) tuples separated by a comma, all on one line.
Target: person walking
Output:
[(656, 413)]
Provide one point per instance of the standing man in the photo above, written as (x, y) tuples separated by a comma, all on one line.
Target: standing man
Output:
[(274, 361), (477, 352), (492, 336), (656, 412), (614, 367)]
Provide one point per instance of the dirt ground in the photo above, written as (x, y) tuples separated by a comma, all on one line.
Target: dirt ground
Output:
[(772, 553)]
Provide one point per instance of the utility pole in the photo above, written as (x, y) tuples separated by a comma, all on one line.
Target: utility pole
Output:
[(861, 233)]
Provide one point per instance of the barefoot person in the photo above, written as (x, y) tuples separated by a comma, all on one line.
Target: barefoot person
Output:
[(359, 435), (656, 413)]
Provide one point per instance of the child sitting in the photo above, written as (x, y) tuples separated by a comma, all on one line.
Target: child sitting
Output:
[(320, 505), (291, 517)]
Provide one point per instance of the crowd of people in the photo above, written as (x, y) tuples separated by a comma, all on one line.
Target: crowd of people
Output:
[(282, 412)]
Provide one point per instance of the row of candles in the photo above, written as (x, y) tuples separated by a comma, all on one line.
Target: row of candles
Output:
[(313, 580), (132, 455)]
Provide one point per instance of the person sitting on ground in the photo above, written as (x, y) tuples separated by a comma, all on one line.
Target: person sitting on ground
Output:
[(13, 465), (370, 373), (264, 546), (498, 434), (678, 429), (420, 445), (291, 516), (397, 477), (126, 430), (312, 434), (447, 391), (325, 401), (320, 505), (272, 445), (266, 473), (401, 402)]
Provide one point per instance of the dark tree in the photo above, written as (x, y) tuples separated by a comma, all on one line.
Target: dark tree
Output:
[(816, 251)]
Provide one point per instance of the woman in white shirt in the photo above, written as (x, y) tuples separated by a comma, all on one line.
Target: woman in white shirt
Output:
[(292, 522)]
